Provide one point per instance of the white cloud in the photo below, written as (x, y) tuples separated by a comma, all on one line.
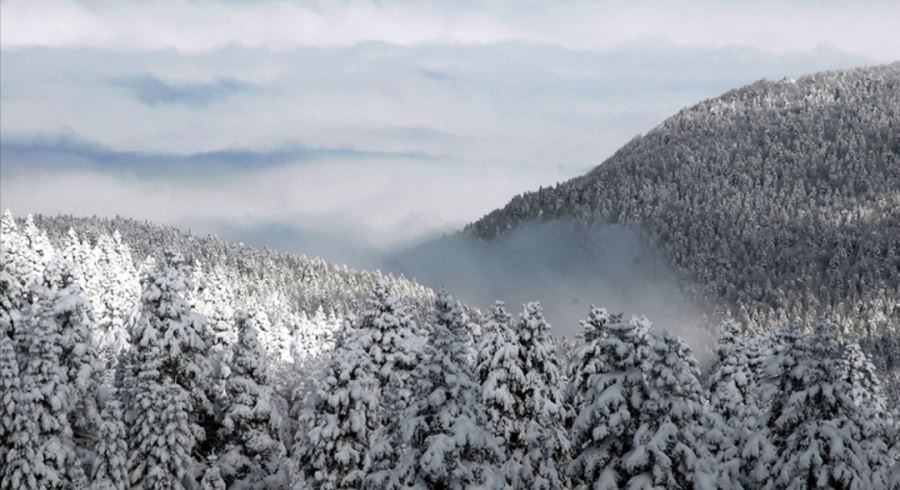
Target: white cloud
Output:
[(369, 200), (862, 28), (495, 98)]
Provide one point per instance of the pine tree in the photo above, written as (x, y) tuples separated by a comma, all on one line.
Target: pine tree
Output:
[(21, 443), (166, 311), (539, 451), (10, 392), (758, 449), (498, 373), (65, 302), (16, 275), (45, 387), (388, 336), (18, 423), (731, 385), (9, 231), (117, 292), (731, 379), (816, 427), (606, 424), (868, 395), (110, 471), (667, 451), (164, 381), (387, 332), (10, 281), (214, 298), (443, 429), (36, 249), (585, 359), (337, 426), (249, 430), (161, 436), (867, 390)]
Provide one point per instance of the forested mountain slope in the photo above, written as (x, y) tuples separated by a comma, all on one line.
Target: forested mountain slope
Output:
[(781, 200), (200, 395), (297, 302), (304, 283)]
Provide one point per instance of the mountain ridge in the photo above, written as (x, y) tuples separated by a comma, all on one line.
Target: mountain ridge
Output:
[(780, 199)]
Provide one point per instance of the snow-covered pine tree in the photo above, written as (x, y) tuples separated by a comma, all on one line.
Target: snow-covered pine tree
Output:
[(10, 392), (607, 421), (275, 323), (164, 380), (36, 248), (731, 383), (387, 331), (117, 292), (819, 433), (338, 424), (46, 389), (867, 390), (731, 380), (539, 450), (110, 471), (252, 451), (65, 301), (447, 445), (161, 435), (10, 275), (869, 396), (758, 450), (214, 298), (387, 334), (74, 250), (585, 359), (20, 428), (499, 373), (667, 449), (9, 231), (23, 255)]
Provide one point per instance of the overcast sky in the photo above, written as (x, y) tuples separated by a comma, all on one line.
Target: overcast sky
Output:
[(305, 125)]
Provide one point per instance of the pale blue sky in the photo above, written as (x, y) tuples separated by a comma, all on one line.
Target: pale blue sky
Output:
[(372, 123)]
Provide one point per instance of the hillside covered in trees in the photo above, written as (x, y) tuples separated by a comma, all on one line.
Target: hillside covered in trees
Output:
[(780, 201), (158, 374)]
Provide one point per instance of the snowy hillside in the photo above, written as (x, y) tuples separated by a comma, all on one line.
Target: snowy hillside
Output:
[(779, 200), (170, 373), (297, 302), (301, 283)]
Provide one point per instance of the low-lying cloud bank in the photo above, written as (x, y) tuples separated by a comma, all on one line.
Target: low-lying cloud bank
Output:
[(566, 267), (340, 205)]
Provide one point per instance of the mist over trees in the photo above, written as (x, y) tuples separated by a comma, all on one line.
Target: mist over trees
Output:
[(209, 388)]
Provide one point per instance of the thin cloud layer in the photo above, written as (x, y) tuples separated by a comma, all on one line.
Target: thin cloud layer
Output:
[(775, 26), (152, 91)]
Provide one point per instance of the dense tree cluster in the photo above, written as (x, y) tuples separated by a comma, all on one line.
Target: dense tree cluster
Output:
[(778, 200), (203, 392), (302, 283)]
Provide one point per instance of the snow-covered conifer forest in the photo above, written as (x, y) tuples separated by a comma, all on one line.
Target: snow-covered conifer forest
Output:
[(139, 356)]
